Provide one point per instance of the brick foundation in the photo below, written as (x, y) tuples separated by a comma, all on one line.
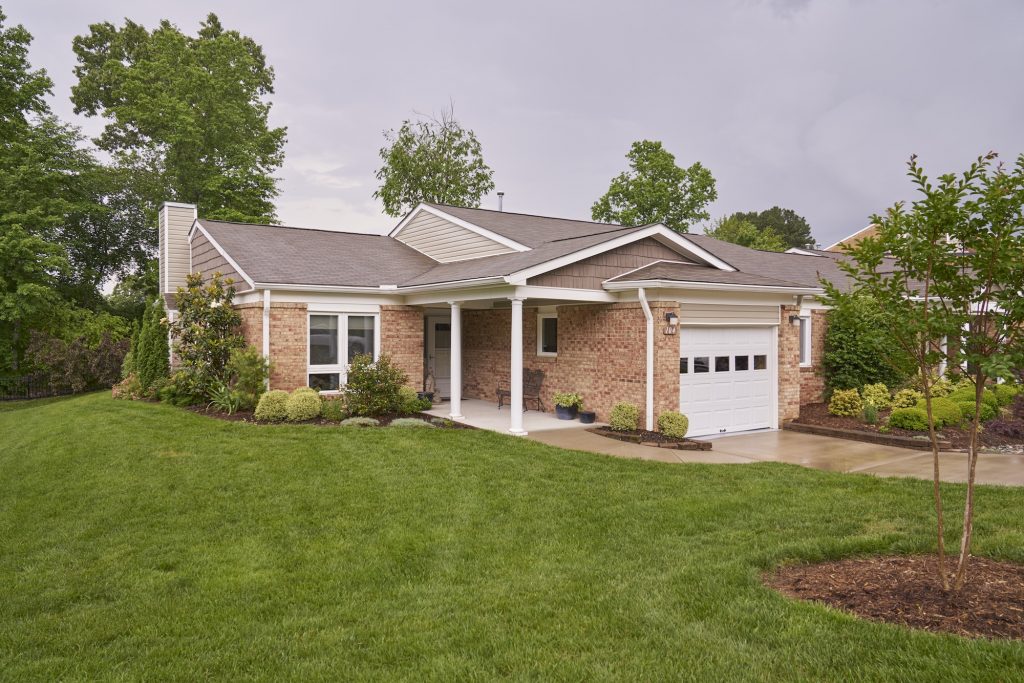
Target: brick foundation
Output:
[(401, 338)]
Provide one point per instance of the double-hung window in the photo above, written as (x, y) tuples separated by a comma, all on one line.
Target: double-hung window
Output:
[(334, 340), (805, 340), (547, 334)]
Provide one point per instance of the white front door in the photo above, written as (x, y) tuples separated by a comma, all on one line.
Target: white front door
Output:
[(439, 353), (726, 378)]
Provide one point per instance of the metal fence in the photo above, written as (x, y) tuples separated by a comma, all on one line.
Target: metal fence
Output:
[(30, 386)]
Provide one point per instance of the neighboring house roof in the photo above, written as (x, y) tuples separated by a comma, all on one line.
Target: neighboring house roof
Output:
[(798, 268), (850, 240), (677, 271)]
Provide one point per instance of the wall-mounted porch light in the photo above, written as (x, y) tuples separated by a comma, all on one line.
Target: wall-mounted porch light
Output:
[(671, 323), (794, 320)]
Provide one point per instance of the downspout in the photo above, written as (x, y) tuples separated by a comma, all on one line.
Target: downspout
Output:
[(649, 417), (265, 327)]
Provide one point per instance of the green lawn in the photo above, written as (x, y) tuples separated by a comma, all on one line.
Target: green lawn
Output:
[(142, 541)]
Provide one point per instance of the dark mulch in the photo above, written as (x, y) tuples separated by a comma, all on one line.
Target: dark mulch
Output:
[(642, 436), (385, 420), (905, 590), (817, 414)]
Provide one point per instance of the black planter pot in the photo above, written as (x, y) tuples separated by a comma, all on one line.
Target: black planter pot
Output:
[(425, 395), (587, 417), (566, 413)]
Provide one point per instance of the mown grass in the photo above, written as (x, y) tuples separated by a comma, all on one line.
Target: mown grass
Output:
[(142, 541)]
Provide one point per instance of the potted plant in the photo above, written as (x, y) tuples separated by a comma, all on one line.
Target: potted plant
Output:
[(567, 405), (587, 417)]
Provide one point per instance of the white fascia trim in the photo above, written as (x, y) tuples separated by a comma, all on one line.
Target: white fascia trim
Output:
[(650, 231), (566, 294), (483, 232), (717, 286), (322, 288), (220, 250), (179, 205)]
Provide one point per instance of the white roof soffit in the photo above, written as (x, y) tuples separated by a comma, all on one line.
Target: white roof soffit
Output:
[(483, 232)]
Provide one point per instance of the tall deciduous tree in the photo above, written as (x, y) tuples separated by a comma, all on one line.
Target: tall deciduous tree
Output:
[(746, 234), (432, 160), (187, 116), (788, 224), (656, 190), (952, 266)]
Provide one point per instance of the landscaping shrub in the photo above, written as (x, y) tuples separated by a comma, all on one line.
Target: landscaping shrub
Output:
[(855, 344), (411, 402), (151, 355), (906, 398), (206, 329), (624, 418), (181, 389), (673, 424), (77, 363), (870, 414), (568, 400), (1010, 428), (303, 404), (272, 406), (360, 422), (988, 397), (374, 388), (845, 402), (945, 412), (333, 410), (411, 423), (247, 371), (223, 398), (914, 419), (967, 410), (129, 388), (877, 395), (1005, 393)]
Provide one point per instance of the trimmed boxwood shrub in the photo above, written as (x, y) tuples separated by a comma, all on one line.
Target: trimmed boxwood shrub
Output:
[(967, 394), (914, 419), (945, 411), (624, 418), (303, 404), (846, 402), (906, 398), (271, 406), (673, 424), (877, 395)]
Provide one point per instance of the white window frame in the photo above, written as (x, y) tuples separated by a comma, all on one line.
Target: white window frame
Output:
[(806, 340), (541, 317), (341, 368)]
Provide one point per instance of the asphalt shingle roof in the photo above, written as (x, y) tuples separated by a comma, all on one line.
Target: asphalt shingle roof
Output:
[(688, 272)]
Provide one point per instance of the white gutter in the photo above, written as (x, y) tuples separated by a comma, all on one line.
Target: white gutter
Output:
[(649, 417), (266, 331)]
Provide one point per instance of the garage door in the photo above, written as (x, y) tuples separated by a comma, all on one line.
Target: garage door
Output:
[(726, 378)]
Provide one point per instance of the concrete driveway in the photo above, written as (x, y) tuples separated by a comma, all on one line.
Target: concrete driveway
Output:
[(808, 450)]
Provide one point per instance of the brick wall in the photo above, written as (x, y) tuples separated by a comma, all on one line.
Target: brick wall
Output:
[(601, 355), (789, 366), (401, 330), (289, 336), (812, 381), (252, 323)]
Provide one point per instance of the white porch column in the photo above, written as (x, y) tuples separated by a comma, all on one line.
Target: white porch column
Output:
[(456, 362), (516, 380)]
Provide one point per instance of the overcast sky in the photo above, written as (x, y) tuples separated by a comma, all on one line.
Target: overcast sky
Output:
[(811, 105)]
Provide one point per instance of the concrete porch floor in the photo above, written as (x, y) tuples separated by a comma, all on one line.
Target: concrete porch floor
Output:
[(486, 415)]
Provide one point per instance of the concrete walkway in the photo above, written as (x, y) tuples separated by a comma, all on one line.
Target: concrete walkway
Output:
[(808, 450)]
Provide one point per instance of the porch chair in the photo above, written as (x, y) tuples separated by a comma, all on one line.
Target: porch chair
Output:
[(533, 380)]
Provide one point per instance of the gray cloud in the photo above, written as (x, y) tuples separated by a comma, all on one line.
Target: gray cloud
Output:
[(811, 105)]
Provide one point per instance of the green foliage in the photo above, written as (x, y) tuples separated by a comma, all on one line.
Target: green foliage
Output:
[(373, 389), (247, 371), (152, 353), (568, 400), (845, 402), (673, 424), (411, 402), (967, 410), (272, 406), (302, 405), (746, 234), (186, 117), (877, 395), (858, 347), (906, 398), (223, 398), (625, 417), (1004, 393), (127, 389), (88, 355), (333, 409), (988, 397), (432, 160), (360, 422), (913, 419), (181, 389), (790, 227), (656, 190), (206, 329), (945, 412), (870, 414), (411, 423)]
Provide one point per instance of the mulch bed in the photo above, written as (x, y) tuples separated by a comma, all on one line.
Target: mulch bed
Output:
[(646, 438), (904, 590), (817, 414), (385, 420)]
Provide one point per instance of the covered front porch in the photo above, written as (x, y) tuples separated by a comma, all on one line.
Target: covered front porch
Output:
[(486, 415)]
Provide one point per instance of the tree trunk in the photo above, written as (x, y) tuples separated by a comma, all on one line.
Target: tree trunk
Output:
[(972, 463), (936, 489)]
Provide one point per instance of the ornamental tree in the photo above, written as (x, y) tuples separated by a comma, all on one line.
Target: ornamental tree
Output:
[(205, 331)]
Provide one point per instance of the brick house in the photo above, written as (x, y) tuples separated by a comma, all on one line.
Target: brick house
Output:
[(469, 298)]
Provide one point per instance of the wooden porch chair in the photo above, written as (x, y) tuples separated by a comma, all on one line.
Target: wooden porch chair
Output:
[(533, 380)]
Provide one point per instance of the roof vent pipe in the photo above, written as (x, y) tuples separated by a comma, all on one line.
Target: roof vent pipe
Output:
[(501, 196)]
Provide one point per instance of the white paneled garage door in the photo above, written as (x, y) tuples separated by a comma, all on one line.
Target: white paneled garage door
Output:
[(726, 377)]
